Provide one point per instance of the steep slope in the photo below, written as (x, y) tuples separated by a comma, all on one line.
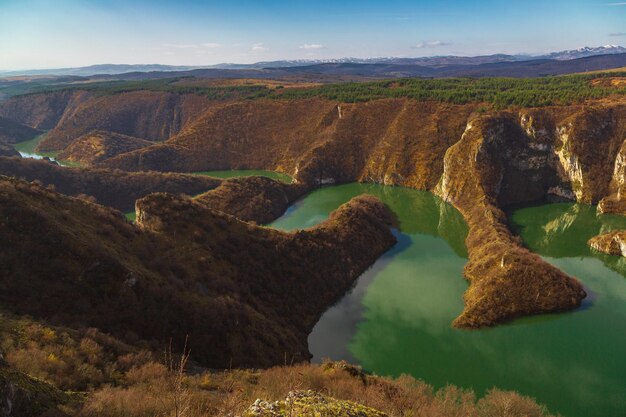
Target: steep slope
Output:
[(502, 158), (42, 111), (13, 132), (114, 188), (99, 145), (153, 116), (506, 280), (245, 295), (317, 140)]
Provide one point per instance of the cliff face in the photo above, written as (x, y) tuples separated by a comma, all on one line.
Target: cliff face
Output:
[(478, 160), (147, 115), (69, 115), (245, 295), (42, 111), (390, 141), (506, 280)]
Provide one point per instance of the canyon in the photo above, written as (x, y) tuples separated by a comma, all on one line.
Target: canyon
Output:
[(478, 161), (257, 292)]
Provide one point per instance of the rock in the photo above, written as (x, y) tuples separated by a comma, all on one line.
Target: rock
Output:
[(612, 243), (310, 403)]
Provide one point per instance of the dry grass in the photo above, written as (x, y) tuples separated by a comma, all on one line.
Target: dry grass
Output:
[(230, 393)]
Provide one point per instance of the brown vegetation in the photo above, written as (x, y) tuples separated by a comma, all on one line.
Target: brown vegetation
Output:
[(99, 145), (245, 295), (257, 199), (519, 156), (231, 393), (113, 188)]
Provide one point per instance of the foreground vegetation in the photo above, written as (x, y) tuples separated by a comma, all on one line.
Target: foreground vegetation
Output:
[(104, 376), (500, 92)]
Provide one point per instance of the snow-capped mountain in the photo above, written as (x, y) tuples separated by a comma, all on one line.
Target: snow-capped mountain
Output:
[(585, 52)]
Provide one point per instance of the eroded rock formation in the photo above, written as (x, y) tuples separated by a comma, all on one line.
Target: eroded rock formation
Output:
[(612, 243), (477, 159)]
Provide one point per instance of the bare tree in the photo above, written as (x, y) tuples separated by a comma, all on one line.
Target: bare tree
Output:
[(178, 392)]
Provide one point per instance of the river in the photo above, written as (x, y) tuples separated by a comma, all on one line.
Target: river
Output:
[(397, 318)]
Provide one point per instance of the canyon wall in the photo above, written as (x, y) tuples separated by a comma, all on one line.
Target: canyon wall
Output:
[(477, 159)]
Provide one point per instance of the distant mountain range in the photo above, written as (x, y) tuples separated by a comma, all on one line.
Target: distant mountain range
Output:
[(434, 62)]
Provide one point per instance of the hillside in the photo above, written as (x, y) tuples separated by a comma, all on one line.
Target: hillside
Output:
[(519, 155), (13, 132), (237, 290), (516, 157), (113, 188), (99, 145)]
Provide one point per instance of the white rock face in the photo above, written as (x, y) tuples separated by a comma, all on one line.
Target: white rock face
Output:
[(569, 162)]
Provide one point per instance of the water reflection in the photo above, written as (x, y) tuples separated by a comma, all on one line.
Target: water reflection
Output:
[(397, 319), (562, 230)]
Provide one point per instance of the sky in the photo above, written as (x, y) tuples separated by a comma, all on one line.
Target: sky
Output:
[(69, 33)]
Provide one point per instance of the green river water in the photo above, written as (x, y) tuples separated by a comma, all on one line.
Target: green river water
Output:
[(397, 318)]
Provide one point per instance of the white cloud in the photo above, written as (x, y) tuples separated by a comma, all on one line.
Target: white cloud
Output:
[(617, 34), (432, 44), (211, 45), (312, 46), (617, 4), (258, 47)]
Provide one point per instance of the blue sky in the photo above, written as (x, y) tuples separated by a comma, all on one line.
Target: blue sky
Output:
[(61, 33)]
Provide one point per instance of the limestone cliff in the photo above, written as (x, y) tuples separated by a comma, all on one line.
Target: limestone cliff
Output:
[(612, 243), (480, 160)]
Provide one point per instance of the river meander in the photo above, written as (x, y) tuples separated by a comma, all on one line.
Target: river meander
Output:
[(397, 318)]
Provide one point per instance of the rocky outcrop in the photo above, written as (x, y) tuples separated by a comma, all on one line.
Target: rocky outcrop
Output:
[(245, 295), (588, 140), (506, 280), (257, 199), (613, 243), (23, 396), (114, 188), (305, 403), (99, 145), (502, 158)]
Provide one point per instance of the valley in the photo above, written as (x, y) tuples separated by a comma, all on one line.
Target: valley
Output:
[(272, 227)]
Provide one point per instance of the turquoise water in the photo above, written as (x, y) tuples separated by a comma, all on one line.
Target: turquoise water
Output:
[(397, 318)]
